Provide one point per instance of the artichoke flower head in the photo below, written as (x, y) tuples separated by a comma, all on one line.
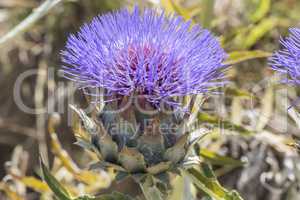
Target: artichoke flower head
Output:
[(145, 64)]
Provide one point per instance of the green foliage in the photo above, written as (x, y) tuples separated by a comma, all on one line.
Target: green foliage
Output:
[(258, 31), (207, 13), (113, 196), (263, 7), (60, 192), (236, 57), (205, 180), (247, 30), (215, 159), (151, 190), (226, 124)]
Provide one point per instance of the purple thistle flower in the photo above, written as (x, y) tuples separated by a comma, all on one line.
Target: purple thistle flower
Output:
[(287, 60), (149, 54)]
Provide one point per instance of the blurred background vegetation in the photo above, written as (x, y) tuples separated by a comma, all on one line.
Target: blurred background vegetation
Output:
[(251, 147)]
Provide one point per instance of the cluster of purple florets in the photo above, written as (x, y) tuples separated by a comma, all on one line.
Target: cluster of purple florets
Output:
[(149, 54), (157, 56), (287, 60)]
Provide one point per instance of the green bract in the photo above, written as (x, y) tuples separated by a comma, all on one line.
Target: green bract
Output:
[(146, 146), (134, 142)]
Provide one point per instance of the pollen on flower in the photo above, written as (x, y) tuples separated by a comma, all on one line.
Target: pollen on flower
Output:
[(149, 54)]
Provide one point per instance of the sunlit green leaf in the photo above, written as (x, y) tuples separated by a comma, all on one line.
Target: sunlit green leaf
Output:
[(206, 181), (241, 56), (171, 6), (204, 117), (216, 159), (55, 186), (232, 91), (35, 184), (258, 31), (261, 11)]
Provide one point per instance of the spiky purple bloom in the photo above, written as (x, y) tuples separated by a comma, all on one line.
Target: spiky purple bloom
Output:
[(287, 60), (149, 54)]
